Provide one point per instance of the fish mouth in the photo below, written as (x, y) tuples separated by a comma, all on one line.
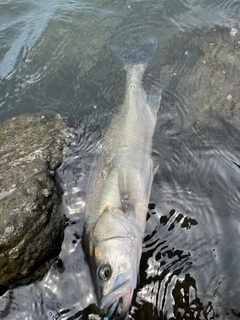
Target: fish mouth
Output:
[(123, 295)]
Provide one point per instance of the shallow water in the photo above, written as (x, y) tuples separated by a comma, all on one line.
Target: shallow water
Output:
[(55, 57)]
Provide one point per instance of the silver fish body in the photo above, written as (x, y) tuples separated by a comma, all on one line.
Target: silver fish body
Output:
[(119, 189)]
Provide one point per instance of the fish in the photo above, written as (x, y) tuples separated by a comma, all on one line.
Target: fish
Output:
[(119, 188)]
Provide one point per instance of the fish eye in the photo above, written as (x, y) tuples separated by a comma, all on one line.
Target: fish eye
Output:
[(105, 272)]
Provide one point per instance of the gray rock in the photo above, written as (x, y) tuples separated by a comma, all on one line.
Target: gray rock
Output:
[(213, 83), (202, 71), (31, 224)]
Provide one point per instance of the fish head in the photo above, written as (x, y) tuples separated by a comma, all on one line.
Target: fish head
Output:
[(115, 275), (115, 260)]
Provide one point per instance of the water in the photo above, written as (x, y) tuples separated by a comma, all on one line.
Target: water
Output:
[(55, 57)]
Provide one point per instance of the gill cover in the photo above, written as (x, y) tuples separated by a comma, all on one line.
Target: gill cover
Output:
[(111, 224)]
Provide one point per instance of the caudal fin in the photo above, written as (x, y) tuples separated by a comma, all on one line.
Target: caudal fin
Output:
[(140, 55)]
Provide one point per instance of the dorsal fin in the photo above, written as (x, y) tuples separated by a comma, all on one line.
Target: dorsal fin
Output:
[(153, 102)]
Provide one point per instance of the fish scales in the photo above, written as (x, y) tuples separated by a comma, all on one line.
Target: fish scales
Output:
[(119, 189)]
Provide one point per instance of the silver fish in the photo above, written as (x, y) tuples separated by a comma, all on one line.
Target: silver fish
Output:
[(119, 189)]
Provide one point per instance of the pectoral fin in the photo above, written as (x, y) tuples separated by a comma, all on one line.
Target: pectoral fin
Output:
[(134, 187), (128, 185)]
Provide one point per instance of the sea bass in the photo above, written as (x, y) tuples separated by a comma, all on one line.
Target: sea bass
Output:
[(119, 189)]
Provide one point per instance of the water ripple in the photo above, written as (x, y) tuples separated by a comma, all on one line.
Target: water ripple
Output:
[(56, 57)]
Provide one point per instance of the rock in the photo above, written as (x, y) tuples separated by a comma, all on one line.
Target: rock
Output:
[(213, 84), (203, 73), (31, 224)]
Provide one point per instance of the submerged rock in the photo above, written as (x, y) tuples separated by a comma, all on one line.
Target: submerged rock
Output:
[(31, 224), (203, 73), (213, 83)]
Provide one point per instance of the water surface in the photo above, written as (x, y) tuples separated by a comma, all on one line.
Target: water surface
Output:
[(55, 57)]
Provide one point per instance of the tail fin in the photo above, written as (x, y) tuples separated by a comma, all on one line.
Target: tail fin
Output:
[(140, 55)]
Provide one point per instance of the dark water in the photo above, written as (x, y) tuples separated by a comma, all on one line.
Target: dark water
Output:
[(55, 57)]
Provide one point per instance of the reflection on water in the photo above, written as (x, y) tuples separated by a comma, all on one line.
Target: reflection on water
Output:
[(55, 57)]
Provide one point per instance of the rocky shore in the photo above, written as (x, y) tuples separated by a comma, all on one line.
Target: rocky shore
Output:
[(31, 222)]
